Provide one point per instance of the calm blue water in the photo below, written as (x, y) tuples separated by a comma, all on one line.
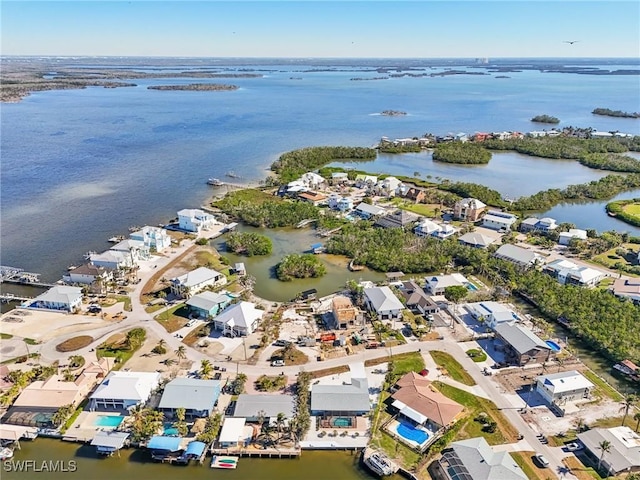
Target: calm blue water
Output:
[(80, 166)]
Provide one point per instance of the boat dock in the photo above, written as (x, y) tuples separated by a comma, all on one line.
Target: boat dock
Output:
[(18, 275), (10, 297), (257, 453)]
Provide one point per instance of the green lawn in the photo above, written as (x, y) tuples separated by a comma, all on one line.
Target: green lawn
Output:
[(452, 367), (126, 300), (523, 459), (174, 318), (603, 387), (418, 208), (5, 336), (632, 209)]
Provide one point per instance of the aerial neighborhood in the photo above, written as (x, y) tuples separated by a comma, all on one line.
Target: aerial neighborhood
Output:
[(459, 359)]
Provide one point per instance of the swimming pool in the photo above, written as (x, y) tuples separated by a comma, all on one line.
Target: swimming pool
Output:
[(342, 422), (471, 287), (170, 430), (108, 421), (408, 431), (553, 345)]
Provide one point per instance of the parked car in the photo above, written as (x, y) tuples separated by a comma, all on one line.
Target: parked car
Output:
[(281, 343), (191, 323), (277, 363), (541, 460), (573, 446)]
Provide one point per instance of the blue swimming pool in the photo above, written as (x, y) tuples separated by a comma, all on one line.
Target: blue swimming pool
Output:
[(170, 430), (471, 287), (108, 421), (553, 345), (408, 431)]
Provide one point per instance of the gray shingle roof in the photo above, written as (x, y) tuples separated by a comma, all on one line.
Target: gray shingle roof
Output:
[(249, 405), (190, 393), (516, 254), (207, 300), (383, 299), (625, 446), (342, 398)]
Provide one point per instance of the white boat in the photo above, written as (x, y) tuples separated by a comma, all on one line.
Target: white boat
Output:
[(215, 182), (378, 463), (6, 453), (117, 239)]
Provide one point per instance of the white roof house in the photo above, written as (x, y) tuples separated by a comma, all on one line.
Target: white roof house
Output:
[(365, 210), (427, 228), (121, 390), (563, 386), (234, 432), (197, 280), (137, 249), (240, 319), (383, 301), (498, 220), (195, 220), (112, 259), (475, 239), (545, 224), (436, 284), (60, 297), (350, 398), (493, 313), (568, 273), (154, 238), (312, 180), (624, 454), (565, 238), (518, 255)]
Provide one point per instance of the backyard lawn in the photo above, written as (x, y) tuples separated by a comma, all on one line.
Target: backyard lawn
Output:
[(174, 318), (452, 368), (523, 459)]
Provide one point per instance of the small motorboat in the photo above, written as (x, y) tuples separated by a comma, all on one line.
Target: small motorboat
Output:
[(6, 453), (215, 182)]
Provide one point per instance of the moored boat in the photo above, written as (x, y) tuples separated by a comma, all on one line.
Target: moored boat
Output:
[(6, 453), (215, 182), (378, 462)]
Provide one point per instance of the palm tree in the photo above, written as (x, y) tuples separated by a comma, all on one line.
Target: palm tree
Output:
[(181, 352), (636, 417), (605, 447), (628, 402), (279, 423), (206, 369)]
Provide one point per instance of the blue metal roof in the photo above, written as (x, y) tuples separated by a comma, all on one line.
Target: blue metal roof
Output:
[(160, 442), (316, 245), (195, 448)]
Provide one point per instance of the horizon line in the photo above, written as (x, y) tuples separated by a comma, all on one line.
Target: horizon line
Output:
[(311, 58)]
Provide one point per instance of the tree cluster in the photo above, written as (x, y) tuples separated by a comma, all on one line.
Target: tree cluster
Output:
[(466, 153), (545, 119), (300, 265), (249, 244)]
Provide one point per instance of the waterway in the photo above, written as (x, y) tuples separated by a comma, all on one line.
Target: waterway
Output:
[(293, 240), (133, 463)]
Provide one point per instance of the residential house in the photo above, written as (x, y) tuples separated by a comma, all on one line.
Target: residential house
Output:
[(239, 320), (252, 407), (397, 219), (438, 283), (468, 209), (417, 300), (235, 433), (208, 304), (475, 459), (240, 269), (562, 387), (496, 220), (416, 195), (481, 136), (383, 302), (155, 239), (97, 277), (313, 198), (136, 249), (388, 186), (522, 257), (60, 297), (195, 281), (110, 441), (367, 211), (476, 240), (198, 397), (445, 232), (543, 225), (195, 220), (344, 312), (624, 452), (123, 390), (568, 273), (426, 228), (339, 178), (112, 260), (522, 346), (564, 238), (342, 400), (627, 288), (340, 203), (416, 401), (491, 313), (313, 181), (365, 181)]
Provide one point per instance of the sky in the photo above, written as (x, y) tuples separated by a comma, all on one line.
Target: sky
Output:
[(330, 29)]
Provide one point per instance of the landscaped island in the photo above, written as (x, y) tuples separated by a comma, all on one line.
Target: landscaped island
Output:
[(545, 119), (198, 87), (626, 210), (615, 113)]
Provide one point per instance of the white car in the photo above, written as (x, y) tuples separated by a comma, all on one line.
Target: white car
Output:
[(277, 363), (542, 460), (191, 323)]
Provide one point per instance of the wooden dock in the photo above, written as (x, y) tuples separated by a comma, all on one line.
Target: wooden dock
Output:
[(257, 453)]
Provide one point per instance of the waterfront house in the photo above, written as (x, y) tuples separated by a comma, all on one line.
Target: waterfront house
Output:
[(476, 240), (55, 391), (339, 178), (135, 249), (345, 204), (564, 238), (522, 257), (109, 442), (368, 211), (568, 273), (313, 198), (436, 285), (491, 313), (426, 228), (344, 312), (239, 320), (234, 433), (475, 459), (195, 281), (383, 302), (388, 186), (195, 220), (59, 297), (521, 345), (559, 388), (496, 220), (397, 219), (623, 455), (416, 195), (198, 397), (481, 136), (365, 181), (351, 399), (445, 232), (155, 239), (468, 209), (417, 300), (240, 269), (123, 390), (208, 304), (313, 181), (627, 288), (96, 277), (254, 406), (112, 260), (542, 225), (164, 447)]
